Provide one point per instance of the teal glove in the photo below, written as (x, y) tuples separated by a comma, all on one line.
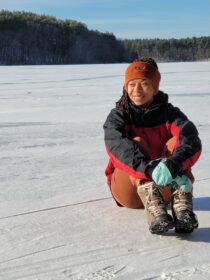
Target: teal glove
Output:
[(161, 174), (184, 183)]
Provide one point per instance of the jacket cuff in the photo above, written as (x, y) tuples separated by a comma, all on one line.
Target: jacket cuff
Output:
[(151, 166), (173, 166)]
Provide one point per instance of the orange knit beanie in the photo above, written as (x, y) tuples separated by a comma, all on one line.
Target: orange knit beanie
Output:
[(141, 70)]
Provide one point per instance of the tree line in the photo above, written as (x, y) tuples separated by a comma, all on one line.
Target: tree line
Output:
[(189, 49), (28, 38)]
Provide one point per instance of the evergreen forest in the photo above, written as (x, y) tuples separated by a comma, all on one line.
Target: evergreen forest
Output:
[(30, 39)]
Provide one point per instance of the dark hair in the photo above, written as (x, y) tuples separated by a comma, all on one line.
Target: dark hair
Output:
[(149, 60), (123, 102)]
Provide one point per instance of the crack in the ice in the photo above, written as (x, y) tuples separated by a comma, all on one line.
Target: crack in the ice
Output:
[(33, 253)]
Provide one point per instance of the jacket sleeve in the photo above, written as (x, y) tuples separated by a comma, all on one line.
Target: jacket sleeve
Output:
[(188, 144), (123, 152)]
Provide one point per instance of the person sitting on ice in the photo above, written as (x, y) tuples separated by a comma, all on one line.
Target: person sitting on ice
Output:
[(152, 146)]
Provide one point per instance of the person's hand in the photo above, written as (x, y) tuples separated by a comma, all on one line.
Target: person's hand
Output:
[(161, 175), (184, 183)]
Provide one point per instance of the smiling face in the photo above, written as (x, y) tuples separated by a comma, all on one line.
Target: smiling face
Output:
[(141, 92)]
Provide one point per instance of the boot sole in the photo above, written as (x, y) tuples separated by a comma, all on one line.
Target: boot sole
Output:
[(185, 222), (161, 227), (185, 226)]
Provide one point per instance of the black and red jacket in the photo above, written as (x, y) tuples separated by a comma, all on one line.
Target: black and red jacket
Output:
[(156, 124)]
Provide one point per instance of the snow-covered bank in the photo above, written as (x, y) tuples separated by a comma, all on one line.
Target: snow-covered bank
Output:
[(57, 218)]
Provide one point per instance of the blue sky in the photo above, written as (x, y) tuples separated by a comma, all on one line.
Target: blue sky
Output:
[(129, 19)]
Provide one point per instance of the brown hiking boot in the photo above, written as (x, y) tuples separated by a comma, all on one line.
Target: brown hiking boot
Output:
[(158, 219), (182, 209)]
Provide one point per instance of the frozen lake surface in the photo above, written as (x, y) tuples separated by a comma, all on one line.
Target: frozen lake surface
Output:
[(57, 218)]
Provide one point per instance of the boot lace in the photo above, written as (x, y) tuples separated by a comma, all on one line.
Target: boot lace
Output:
[(154, 200), (182, 201)]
